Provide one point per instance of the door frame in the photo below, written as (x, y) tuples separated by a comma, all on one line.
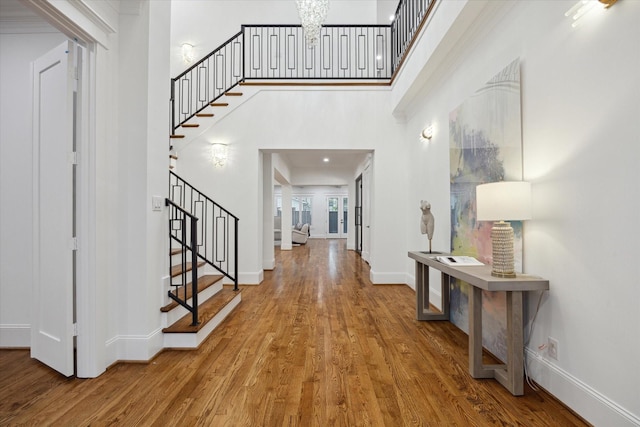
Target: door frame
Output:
[(358, 216)]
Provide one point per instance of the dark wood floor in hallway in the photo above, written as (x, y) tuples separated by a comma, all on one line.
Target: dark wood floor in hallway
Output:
[(316, 344)]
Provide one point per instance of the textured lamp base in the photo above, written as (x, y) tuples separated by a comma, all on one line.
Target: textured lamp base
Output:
[(502, 248)]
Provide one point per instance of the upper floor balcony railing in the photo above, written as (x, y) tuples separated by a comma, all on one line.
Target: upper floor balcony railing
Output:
[(365, 53)]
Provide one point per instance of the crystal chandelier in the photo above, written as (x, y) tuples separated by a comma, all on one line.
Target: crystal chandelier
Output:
[(312, 15)]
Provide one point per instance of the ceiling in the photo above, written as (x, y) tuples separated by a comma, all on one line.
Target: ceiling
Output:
[(338, 159), (15, 9), (341, 163)]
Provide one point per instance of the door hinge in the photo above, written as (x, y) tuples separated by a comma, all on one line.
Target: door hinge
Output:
[(73, 158), (75, 329), (73, 244)]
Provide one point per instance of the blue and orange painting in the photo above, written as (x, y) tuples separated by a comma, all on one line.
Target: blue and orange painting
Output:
[(485, 142)]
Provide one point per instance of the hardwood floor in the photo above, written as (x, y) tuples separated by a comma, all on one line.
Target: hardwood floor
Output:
[(316, 344)]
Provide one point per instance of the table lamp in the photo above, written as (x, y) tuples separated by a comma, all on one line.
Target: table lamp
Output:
[(501, 201)]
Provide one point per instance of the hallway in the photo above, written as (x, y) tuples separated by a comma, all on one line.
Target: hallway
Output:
[(316, 344)]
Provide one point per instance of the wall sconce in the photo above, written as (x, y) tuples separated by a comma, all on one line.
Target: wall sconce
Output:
[(427, 133), (583, 7), (188, 54), (500, 201), (219, 154)]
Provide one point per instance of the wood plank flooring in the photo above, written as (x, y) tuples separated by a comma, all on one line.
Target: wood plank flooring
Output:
[(316, 344)]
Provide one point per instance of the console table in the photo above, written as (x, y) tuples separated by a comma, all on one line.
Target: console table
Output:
[(511, 374)]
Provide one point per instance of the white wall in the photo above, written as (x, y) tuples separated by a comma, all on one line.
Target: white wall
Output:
[(143, 91), (580, 113), (17, 51), (302, 115)]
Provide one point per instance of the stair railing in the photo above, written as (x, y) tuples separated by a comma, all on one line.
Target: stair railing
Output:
[(264, 52), (410, 17), (353, 52), (216, 231), (206, 81), (183, 235)]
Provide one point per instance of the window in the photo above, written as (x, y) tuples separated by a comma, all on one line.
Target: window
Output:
[(300, 210)]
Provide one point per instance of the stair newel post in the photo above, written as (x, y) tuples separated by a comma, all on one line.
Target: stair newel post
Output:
[(244, 63), (172, 101), (235, 255), (194, 270)]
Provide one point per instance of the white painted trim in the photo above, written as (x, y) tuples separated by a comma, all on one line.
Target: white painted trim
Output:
[(74, 19), (248, 278), (387, 278), (269, 264), (135, 347), (12, 336), (571, 391)]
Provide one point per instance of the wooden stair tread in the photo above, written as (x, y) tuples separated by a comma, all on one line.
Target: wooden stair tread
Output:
[(176, 251), (233, 94), (176, 270), (206, 312), (203, 283), (219, 104), (190, 125), (173, 156), (176, 136), (204, 115)]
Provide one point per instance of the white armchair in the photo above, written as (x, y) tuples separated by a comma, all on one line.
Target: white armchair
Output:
[(300, 236)]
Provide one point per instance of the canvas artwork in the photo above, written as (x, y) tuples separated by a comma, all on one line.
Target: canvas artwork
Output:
[(485, 146)]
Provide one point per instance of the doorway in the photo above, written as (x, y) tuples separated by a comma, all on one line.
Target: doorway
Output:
[(337, 216)]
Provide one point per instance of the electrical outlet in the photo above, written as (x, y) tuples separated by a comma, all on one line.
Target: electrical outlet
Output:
[(552, 348)]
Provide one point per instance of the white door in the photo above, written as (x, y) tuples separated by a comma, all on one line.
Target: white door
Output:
[(337, 209), (53, 113)]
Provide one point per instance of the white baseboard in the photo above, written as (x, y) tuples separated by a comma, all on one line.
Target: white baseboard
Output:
[(387, 278), (571, 391), (254, 278), (15, 336), (269, 264), (134, 347)]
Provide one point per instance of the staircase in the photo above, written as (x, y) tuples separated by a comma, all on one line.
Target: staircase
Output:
[(203, 235), (203, 253)]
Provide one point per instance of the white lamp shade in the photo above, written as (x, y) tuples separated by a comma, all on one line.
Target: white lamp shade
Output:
[(503, 201)]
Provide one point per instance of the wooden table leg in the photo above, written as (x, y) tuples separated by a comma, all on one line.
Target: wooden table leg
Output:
[(476, 368), (515, 344), (423, 311)]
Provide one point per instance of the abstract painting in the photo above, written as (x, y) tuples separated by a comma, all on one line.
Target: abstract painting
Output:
[(485, 146)]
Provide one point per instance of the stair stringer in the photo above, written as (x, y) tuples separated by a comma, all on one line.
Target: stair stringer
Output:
[(206, 123), (170, 317), (193, 340)]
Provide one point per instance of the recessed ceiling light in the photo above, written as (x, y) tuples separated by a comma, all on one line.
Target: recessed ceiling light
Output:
[(326, 160)]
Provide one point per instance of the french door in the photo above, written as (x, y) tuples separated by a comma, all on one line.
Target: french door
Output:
[(337, 212)]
